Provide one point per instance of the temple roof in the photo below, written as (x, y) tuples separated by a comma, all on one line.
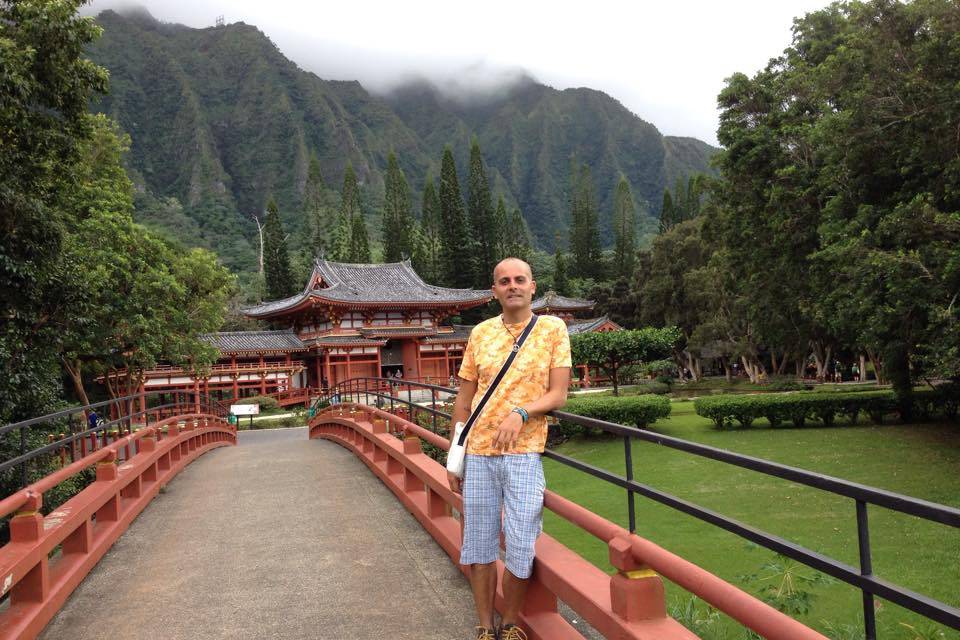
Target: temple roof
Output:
[(586, 326), (241, 341), (551, 300), (460, 333), (349, 341), (391, 284)]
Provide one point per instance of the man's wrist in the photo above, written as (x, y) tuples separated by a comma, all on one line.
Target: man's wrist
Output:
[(522, 413)]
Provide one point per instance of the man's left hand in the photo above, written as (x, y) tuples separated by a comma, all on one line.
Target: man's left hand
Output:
[(506, 436)]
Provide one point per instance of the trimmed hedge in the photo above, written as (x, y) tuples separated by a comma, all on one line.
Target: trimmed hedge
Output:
[(797, 408), (636, 411), (266, 402)]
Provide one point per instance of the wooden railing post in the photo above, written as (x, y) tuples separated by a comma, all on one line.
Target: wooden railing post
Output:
[(636, 591)]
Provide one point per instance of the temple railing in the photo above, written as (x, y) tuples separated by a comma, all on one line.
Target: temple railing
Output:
[(410, 400), (47, 557)]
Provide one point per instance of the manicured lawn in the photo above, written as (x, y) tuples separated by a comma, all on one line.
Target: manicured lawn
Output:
[(918, 460)]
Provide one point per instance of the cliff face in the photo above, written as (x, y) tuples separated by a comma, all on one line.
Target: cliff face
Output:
[(220, 120)]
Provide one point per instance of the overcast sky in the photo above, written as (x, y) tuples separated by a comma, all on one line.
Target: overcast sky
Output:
[(665, 61)]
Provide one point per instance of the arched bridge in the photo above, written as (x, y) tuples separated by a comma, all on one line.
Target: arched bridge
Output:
[(289, 536)]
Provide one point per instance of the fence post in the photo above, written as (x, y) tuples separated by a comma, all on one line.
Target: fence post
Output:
[(636, 591)]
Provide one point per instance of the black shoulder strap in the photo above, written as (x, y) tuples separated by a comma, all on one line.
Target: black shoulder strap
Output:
[(496, 381)]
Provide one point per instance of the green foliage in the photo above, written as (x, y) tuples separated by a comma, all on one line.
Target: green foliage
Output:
[(457, 256), (47, 85), (584, 232), (430, 259), (481, 215), (561, 282), (276, 256), (612, 350), (266, 403), (787, 585), (635, 411), (625, 230), (684, 203), (399, 227), (219, 117), (798, 408)]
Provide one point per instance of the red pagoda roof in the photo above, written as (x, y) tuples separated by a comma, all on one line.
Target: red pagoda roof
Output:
[(394, 284)]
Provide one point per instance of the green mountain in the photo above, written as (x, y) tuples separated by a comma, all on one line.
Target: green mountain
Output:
[(220, 121)]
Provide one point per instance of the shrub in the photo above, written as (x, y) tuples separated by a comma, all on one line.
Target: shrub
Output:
[(636, 411), (784, 383), (266, 402), (797, 408)]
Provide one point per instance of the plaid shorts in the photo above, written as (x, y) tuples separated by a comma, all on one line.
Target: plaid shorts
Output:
[(510, 484)]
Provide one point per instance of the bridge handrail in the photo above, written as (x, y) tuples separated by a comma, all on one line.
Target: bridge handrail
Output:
[(16, 500), (862, 579), (85, 526)]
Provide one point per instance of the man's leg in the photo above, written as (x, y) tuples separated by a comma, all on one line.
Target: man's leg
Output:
[(514, 593), (482, 507), (522, 523), (483, 582)]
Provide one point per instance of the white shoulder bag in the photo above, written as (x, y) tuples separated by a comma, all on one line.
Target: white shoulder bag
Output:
[(458, 447)]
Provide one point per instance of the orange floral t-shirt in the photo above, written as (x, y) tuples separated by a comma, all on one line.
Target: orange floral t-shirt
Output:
[(547, 347)]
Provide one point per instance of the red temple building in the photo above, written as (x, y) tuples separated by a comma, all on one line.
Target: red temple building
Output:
[(352, 320)]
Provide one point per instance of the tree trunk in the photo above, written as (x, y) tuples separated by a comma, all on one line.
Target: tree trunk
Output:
[(782, 369), (877, 366), (862, 376), (613, 376), (726, 368), (694, 366), (821, 355), (74, 370)]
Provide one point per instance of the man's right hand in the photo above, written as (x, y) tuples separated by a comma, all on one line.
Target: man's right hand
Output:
[(454, 482)]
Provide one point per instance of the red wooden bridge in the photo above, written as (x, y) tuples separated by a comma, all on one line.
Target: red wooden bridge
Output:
[(288, 536)]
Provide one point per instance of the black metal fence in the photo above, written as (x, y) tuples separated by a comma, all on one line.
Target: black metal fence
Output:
[(391, 390), (73, 435)]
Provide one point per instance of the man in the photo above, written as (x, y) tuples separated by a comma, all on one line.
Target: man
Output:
[(502, 470)]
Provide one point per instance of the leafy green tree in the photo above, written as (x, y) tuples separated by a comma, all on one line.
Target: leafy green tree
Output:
[(624, 230), (432, 238), (47, 86), (481, 215), (459, 265), (613, 350), (399, 230), (662, 288), (276, 256)]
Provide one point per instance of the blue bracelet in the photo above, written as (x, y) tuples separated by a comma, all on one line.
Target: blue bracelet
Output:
[(523, 414)]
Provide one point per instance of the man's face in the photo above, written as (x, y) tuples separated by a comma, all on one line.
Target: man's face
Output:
[(513, 285)]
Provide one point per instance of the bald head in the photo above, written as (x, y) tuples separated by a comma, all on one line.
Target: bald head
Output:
[(510, 264)]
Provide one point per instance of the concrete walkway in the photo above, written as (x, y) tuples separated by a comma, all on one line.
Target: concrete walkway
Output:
[(278, 537)]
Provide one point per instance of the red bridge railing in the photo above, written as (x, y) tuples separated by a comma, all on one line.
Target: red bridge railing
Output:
[(414, 401), (48, 556), (629, 604)]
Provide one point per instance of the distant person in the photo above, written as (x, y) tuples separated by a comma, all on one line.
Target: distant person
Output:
[(92, 419), (503, 475), (855, 371)]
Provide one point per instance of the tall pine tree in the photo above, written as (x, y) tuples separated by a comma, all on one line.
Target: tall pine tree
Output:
[(561, 280), (276, 258), (584, 233), (359, 240), (341, 245), (316, 224), (398, 223), (624, 230), (457, 245), (432, 242), (481, 215), (519, 244), (501, 225)]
